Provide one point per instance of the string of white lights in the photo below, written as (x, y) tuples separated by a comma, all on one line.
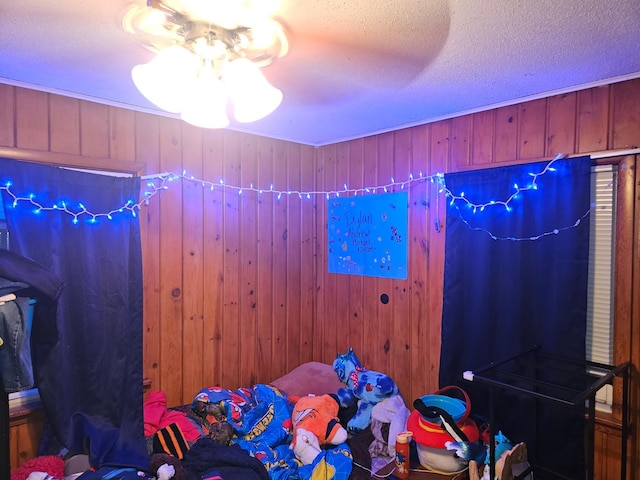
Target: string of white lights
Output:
[(81, 210), (554, 231), (158, 182), (533, 185), (392, 185), (474, 207)]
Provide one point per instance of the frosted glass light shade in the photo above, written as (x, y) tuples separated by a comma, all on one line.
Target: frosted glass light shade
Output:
[(206, 104), (252, 95), (164, 79)]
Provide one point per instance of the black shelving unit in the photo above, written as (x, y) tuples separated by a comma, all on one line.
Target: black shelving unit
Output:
[(560, 380)]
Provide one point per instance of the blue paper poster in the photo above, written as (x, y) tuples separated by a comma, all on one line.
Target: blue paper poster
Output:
[(368, 235)]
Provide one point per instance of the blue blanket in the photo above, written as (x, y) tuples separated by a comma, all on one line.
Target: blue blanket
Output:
[(261, 418)]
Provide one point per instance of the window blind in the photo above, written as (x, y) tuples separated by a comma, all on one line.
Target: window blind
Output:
[(599, 337), (601, 251)]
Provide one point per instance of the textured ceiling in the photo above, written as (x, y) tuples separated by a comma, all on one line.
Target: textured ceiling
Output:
[(355, 67)]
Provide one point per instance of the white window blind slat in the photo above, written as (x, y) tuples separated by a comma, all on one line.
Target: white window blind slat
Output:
[(599, 337)]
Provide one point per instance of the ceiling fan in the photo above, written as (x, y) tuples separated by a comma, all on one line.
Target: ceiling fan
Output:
[(237, 24), (207, 67), (325, 51)]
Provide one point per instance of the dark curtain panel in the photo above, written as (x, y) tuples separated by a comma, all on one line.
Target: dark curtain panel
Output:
[(88, 363), (508, 286)]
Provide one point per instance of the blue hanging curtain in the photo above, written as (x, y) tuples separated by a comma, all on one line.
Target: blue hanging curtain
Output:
[(515, 278), (87, 359)]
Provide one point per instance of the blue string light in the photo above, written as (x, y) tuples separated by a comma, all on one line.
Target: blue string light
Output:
[(157, 183), (533, 185), (82, 211)]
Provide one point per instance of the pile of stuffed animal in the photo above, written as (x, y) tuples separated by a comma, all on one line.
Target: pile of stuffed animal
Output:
[(258, 421), (316, 423)]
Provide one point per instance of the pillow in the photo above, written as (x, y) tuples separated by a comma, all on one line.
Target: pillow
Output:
[(311, 377)]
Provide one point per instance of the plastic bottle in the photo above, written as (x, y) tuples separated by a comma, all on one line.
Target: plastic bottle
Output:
[(402, 454)]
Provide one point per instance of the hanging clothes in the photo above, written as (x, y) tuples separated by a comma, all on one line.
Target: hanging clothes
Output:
[(25, 279)]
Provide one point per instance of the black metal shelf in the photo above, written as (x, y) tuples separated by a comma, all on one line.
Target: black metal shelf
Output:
[(562, 380)]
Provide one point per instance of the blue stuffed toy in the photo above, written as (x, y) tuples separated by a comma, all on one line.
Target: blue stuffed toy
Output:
[(367, 387)]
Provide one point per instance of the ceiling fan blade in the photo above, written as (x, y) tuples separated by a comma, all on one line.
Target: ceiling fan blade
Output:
[(341, 58)]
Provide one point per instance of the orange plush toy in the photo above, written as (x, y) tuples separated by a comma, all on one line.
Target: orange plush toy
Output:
[(319, 416)]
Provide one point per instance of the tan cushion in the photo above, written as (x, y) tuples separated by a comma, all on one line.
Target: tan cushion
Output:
[(311, 377)]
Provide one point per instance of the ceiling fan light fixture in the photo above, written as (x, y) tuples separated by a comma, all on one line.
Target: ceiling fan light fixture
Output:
[(265, 32), (214, 65), (224, 13), (163, 79), (253, 97), (206, 105)]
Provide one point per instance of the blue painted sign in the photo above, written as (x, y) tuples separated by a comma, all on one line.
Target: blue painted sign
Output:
[(368, 235)]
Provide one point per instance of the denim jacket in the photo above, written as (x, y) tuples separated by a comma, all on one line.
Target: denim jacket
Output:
[(15, 354), (26, 279)]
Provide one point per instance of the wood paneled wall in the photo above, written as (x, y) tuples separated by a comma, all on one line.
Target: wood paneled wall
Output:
[(236, 285)]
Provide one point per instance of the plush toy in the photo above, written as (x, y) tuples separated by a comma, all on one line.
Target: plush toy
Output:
[(167, 467), (367, 387), (213, 420), (51, 466), (306, 446), (388, 419), (512, 463), (318, 417)]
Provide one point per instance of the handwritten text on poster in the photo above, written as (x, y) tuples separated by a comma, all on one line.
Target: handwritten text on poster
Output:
[(368, 235)]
